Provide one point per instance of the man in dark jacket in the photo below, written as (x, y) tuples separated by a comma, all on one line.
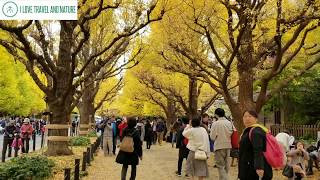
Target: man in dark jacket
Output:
[(7, 139), (160, 127), (181, 143)]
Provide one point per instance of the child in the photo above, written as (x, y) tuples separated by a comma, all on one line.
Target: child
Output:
[(17, 144), (298, 155)]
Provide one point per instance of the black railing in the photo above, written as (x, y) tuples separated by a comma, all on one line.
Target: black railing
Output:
[(87, 157)]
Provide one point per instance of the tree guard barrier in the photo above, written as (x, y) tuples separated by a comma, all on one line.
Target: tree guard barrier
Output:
[(57, 127)]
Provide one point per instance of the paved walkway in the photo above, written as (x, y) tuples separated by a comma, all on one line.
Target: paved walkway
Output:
[(159, 163)]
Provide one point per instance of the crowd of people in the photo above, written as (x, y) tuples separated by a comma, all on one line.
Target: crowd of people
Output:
[(197, 137), (17, 132)]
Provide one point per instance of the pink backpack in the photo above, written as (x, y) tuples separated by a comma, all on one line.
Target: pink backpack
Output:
[(274, 153)]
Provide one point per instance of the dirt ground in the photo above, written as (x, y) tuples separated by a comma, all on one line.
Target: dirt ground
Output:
[(159, 163)]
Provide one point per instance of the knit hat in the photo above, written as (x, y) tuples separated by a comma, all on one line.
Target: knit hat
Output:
[(26, 120)]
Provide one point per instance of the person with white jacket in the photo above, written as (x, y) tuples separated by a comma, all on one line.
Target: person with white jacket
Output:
[(220, 133), (197, 140)]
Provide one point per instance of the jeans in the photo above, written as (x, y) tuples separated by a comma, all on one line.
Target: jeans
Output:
[(222, 162), (6, 142), (107, 144), (154, 137), (173, 139), (180, 160), (160, 137), (125, 169), (114, 145)]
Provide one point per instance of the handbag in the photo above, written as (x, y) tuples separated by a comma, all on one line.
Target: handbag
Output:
[(200, 155), (234, 138), (288, 171)]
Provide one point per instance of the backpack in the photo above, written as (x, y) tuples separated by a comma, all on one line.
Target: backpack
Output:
[(160, 127), (274, 153), (127, 144)]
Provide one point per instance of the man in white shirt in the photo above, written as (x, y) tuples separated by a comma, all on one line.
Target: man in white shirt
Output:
[(220, 133)]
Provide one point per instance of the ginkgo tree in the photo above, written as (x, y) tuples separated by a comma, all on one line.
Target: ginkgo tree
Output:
[(18, 93), (243, 46), (57, 55)]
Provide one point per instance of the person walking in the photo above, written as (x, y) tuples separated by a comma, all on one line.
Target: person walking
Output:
[(130, 158), (26, 133), (148, 134), (8, 137), (107, 137), (114, 134), (160, 127), (198, 141), (252, 163), (221, 135), (140, 128), (174, 130), (154, 131), (181, 144)]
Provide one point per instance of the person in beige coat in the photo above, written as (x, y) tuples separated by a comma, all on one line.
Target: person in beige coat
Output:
[(220, 133), (107, 138)]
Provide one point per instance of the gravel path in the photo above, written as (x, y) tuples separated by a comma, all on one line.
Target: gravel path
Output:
[(159, 163)]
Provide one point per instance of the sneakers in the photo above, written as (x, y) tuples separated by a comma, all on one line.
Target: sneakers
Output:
[(178, 174)]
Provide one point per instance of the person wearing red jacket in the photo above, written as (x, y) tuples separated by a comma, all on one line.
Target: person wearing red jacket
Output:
[(122, 126), (26, 133)]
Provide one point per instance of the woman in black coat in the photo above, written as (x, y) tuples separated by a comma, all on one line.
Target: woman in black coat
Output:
[(127, 158), (182, 145), (148, 134), (252, 163)]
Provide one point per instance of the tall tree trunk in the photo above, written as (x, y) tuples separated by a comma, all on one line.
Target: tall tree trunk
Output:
[(60, 98), (193, 97), (171, 111), (246, 78), (60, 115), (86, 105), (86, 108)]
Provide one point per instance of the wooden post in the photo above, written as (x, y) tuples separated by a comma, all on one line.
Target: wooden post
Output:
[(84, 161), (77, 169), (92, 151), (88, 155), (42, 140), (67, 173), (34, 140)]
